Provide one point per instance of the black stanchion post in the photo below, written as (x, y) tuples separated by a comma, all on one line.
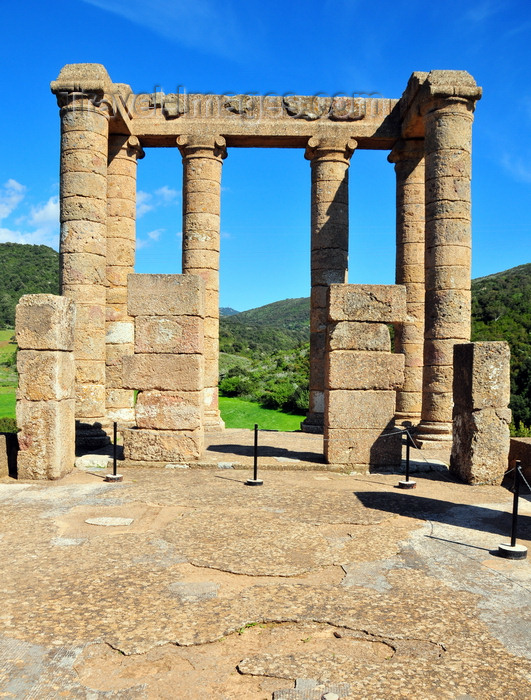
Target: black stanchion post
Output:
[(114, 477), (513, 550), (255, 481), (407, 483)]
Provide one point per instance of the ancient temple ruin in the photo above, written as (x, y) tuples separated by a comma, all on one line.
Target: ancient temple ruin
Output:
[(105, 130)]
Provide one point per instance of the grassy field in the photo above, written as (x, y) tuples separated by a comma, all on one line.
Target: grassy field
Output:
[(235, 412), (244, 414), (8, 376)]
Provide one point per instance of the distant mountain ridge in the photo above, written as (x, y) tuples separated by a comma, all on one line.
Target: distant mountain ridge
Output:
[(501, 310)]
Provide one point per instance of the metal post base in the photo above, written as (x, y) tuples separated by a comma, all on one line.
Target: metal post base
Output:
[(508, 552)]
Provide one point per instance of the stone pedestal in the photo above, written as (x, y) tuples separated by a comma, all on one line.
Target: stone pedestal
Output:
[(202, 166), (45, 395), (448, 114), (481, 417), (167, 368), (83, 214), (124, 152), (408, 156), (361, 376), (329, 160)]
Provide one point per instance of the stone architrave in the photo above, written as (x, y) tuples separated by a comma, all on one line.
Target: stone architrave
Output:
[(447, 106), (124, 152), (481, 417), (330, 160), (45, 394), (83, 214), (362, 376), (202, 166), (408, 157)]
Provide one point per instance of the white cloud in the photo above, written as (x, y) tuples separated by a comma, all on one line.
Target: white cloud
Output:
[(46, 216), (208, 25), (147, 201), (155, 235), (167, 194), (38, 227), (11, 194), (143, 205)]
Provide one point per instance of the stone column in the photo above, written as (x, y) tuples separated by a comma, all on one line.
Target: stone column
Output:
[(448, 114), (83, 214), (329, 159), (202, 164), (124, 151), (408, 157)]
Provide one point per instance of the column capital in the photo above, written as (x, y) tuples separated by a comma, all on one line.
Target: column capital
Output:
[(444, 88), (406, 150), (196, 146), (134, 147), (324, 148)]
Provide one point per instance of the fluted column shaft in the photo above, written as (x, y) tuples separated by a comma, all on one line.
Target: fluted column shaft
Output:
[(408, 157), (124, 152), (202, 167), (329, 160), (448, 136), (83, 215)]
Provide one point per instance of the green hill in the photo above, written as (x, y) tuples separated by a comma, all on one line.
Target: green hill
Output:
[(501, 310), (281, 326), (266, 349), (25, 269)]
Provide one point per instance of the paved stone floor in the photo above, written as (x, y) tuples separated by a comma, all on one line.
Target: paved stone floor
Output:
[(186, 583)]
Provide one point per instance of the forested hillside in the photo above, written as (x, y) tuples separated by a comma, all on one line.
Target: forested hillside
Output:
[(501, 310), (25, 269), (265, 351)]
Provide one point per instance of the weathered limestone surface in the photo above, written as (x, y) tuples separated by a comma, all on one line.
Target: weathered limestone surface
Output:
[(4, 465), (202, 163), (169, 410), (351, 335), (329, 160), (45, 375), (163, 372), (481, 382), (45, 397), (182, 334), (44, 322), (360, 376), (83, 214), (124, 152), (354, 369), (165, 295), (408, 157), (447, 102), (162, 445), (167, 367), (377, 303)]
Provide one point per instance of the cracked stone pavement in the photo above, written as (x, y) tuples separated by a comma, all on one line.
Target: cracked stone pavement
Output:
[(187, 583)]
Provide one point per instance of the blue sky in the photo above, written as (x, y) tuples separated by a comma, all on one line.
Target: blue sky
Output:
[(302, 47)]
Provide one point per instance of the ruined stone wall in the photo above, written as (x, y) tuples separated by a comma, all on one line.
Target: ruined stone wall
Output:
[(481, 417), (361, 376), (45, 395), (167, 367)]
